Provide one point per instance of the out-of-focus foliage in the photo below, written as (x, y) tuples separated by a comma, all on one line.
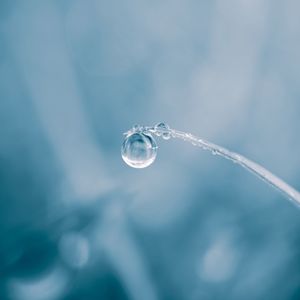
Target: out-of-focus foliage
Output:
[(75, 221)]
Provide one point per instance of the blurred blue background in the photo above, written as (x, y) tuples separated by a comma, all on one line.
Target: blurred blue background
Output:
[(76, 223)]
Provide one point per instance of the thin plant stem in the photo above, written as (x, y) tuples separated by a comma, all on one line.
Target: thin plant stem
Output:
[(288, 191)]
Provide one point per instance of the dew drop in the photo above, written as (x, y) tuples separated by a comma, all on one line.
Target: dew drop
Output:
[(136, 127), (162, 126), (139, 150), (163, 129), (166, 136)]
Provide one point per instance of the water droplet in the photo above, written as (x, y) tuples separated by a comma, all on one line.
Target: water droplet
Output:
[(162, 126), (139, 150), (136, 127), (166, 136), (163, 129)]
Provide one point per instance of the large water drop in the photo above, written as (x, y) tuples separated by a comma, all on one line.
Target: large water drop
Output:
[(139, 150)]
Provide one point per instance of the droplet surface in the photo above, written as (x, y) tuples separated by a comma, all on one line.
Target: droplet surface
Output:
[(139, 150)]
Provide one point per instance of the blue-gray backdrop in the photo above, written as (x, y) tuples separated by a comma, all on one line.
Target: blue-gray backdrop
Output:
[(76, 223)]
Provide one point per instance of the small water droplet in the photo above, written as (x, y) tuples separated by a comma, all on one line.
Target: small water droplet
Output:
[(139, 150), (162, 126), (136, 128), (166, 135), (163, 129)]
